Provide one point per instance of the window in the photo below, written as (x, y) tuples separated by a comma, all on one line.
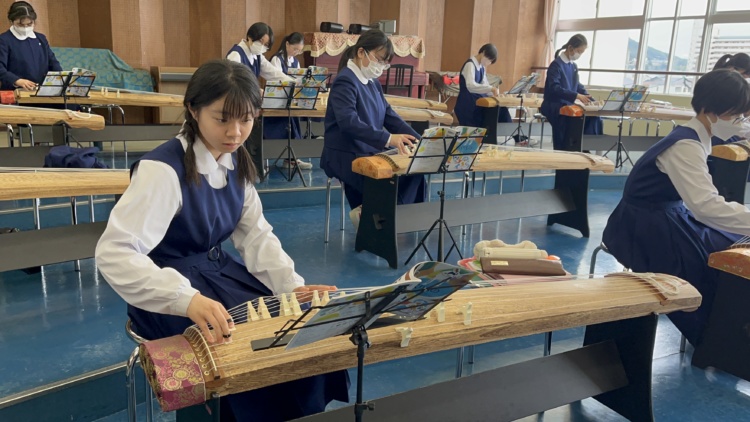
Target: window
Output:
[(667, 37)]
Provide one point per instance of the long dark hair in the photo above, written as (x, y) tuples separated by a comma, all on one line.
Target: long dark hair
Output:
[(720, 92), (20, 10), (293, 38), (575, 41), (212, 81), (369, 41), (739, 61)]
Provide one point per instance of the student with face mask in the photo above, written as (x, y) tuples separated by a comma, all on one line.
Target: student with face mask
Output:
[(251, 50), (671, 217), (360, 122), (563, 88), (739, 62), (25, 55), (278, 127), (473, 85)]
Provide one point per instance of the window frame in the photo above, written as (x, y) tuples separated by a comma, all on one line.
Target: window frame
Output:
[(710, 18)]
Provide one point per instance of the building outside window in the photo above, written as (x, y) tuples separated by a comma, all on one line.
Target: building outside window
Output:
[(664, 36)]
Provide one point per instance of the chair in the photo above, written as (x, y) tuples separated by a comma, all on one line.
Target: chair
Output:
[(399, 78), (130, 377), (328, 208), (539, 117)]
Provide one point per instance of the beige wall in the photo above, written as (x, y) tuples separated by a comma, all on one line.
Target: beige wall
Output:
[(148, 33)]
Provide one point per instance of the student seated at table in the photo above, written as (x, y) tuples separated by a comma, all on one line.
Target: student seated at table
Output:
[(563, 88), (278, 127), (25, 55), (360, 122), (473, 85), (671, 217), (250, 52)]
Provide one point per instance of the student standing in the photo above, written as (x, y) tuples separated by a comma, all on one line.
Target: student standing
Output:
[(162, 248), (25, 55), (562, 87), (360, 122), (671, 216)]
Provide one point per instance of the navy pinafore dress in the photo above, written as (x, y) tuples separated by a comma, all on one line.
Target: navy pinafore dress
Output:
[(192, 246), (652, 231), (466, 104)]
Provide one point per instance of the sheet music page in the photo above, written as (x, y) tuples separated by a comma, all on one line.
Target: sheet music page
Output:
[(52, 85), (276, 94), (427, 284), (468, 143), (80, 82), (431, 150)]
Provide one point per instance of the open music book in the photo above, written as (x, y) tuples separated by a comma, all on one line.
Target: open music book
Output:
[(292, 95), (424, 286), (524, 84), (460, 144), (74, 83)]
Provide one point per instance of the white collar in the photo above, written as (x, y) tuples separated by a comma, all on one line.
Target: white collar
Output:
[(564, 57), (204, 161), (703, 135), (250, 56), (290, 61), (357, 72), (19, 36)]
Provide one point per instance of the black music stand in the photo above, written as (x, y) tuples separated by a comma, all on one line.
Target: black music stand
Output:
[(354, 314), (521, 88), (75, 83), (623, 101), (443, 154), (290, 96)]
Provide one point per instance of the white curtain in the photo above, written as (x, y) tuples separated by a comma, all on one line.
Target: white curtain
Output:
[(551, 12)]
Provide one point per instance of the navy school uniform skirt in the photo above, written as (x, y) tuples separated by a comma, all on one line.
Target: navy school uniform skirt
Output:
[(677, 244), (227, 280), (338, 164)]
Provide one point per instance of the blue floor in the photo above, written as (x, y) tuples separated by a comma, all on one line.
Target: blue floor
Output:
[(60, 324)]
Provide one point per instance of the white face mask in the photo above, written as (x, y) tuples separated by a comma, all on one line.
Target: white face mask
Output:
[(374, 69), (485, 62), (575, 56), (24, 30), (258, 48), (725, 129)]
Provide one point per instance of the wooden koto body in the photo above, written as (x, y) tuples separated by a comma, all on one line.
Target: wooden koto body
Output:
[(55, 184), (399, 101), (380, 167), (43, 116), (110, 97), (735, 260), (184, 371), (510, 100), (724, 343), (729, 168)]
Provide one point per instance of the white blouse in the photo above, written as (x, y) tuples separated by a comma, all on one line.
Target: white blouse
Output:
[(685, 164), (268, 71), (140, 220), (483, 87)]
